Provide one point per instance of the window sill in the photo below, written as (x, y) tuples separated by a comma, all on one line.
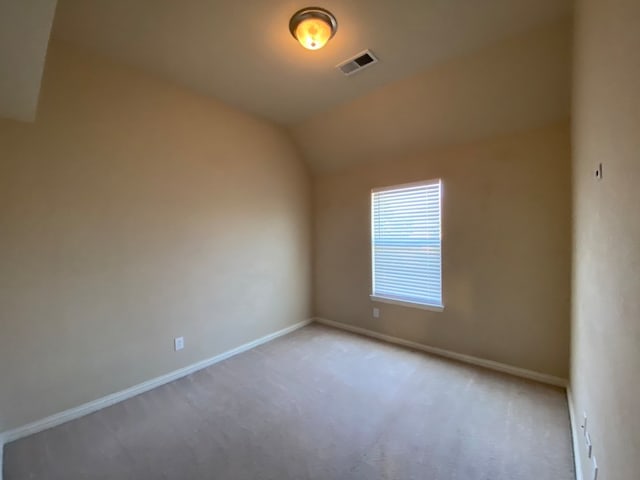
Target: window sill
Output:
[(405, 303)]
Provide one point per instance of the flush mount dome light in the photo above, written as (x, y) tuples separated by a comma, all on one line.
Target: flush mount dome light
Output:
[(313, 27)]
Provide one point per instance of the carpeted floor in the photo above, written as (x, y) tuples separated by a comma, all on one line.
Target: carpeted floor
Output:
[(317, 404)]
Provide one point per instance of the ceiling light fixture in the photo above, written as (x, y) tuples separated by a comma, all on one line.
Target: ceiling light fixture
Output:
[(313, 27)]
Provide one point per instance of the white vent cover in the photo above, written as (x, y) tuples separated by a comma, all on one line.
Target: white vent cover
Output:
[(358, 62)]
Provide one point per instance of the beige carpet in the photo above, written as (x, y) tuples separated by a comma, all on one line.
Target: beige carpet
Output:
[(316, 404)]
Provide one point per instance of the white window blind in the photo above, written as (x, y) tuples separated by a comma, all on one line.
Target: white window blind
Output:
[(406, 243)]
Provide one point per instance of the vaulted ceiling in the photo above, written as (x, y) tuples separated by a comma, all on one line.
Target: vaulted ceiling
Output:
[(519, 83), (450, 71), (242, 52)]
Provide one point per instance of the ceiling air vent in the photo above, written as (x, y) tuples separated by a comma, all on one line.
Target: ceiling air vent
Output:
[(357, 63)]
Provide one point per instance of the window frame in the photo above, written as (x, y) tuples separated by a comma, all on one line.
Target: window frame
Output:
[(388, 299)]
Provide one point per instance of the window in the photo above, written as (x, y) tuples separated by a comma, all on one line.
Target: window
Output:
[(406, 244)]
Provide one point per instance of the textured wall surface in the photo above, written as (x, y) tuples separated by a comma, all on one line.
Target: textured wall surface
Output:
[(132, 212), (506, 249), (606, 277)]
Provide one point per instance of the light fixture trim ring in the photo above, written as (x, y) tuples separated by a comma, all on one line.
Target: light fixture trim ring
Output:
[(313, 12)]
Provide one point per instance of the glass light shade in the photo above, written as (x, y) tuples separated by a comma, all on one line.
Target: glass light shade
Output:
[(313, 33)]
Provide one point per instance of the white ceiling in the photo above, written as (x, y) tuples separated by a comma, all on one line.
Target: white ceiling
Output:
[(24, 36), (241, 51)]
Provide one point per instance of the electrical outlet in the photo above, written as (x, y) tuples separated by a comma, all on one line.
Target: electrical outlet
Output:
[(376, 312), (178, 343), (587, 441), (595, 468)]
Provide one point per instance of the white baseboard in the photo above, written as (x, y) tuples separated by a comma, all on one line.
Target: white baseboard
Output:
[(500, 367), (575, 436), (85, 409)]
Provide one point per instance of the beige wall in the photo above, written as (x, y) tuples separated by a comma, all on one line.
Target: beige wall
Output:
[(605, 372), (132, 212), (506, 249), (519, 83)]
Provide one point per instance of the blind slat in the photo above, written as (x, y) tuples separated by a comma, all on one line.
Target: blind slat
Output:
[(406, 243)]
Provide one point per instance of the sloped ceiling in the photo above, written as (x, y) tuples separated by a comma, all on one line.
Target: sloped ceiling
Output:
[(519, 83), (24, 36), (242, 53)]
